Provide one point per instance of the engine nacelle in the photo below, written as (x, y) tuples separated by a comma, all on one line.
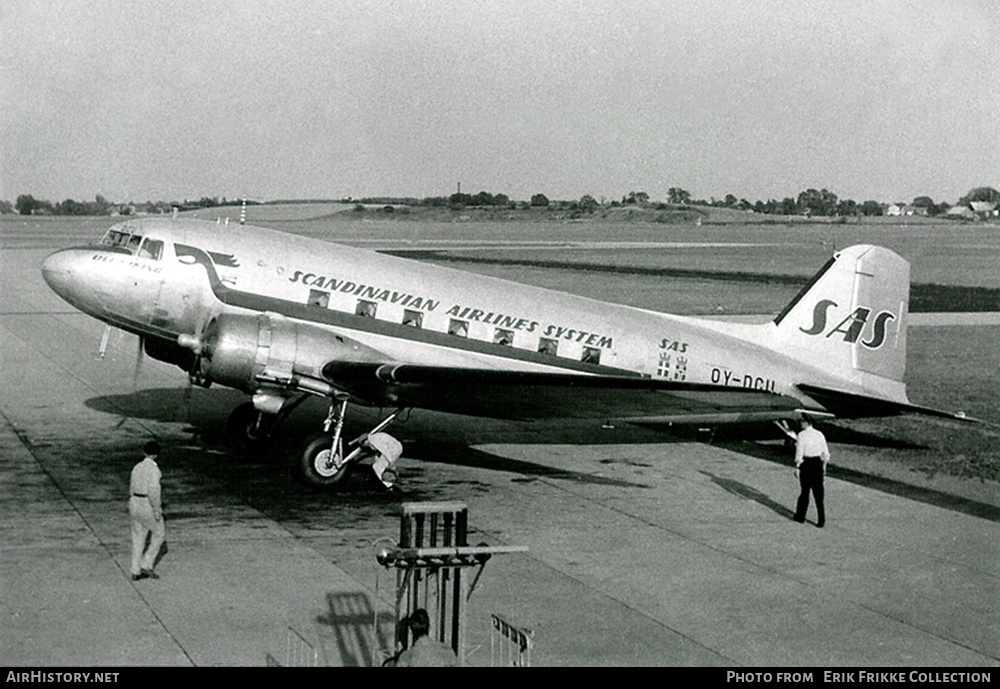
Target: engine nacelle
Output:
[(245, 351)]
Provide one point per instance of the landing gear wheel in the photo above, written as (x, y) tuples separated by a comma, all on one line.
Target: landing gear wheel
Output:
[(247, 428), (315, 467)]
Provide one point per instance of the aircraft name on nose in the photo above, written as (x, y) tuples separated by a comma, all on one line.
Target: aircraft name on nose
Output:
[(128, 262), (852, 326)]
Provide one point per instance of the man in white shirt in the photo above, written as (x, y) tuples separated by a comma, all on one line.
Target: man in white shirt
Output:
[(811, 458), (146, 510)]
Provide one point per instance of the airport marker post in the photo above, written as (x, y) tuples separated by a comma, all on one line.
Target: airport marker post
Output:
[(432, 552)]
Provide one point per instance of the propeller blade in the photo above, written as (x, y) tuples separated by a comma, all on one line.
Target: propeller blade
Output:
[(185, 408), (138, 364)]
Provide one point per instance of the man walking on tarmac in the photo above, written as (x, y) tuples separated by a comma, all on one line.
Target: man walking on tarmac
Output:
[(146, 510), (811, 458)]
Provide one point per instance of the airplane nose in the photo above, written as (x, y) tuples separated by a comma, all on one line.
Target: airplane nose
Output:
[(58, 271), (70, 275)]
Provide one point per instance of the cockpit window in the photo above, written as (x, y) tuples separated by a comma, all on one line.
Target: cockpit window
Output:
[(121, 239), (151, 248)]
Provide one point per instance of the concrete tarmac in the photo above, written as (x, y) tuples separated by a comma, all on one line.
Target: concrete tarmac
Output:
[(644, 549)]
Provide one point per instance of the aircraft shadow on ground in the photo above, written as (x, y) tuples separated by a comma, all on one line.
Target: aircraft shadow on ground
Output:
[(430, 437), (841, 435), (447, 439), (206, 411), (462, 455), (203, 409)]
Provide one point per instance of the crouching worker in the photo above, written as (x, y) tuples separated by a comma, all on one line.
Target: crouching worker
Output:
[(386, 450)]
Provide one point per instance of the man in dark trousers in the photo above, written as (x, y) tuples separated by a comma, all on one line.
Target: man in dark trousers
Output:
[(811, 458), (146, 510)]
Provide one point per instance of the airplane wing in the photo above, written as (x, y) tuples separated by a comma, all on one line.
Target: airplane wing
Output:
[(532, 395)]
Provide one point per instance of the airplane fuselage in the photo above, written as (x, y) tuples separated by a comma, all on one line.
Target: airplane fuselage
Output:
[(169, 277)]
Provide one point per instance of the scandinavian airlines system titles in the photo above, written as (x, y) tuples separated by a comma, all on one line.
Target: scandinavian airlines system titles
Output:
[(459, 311)]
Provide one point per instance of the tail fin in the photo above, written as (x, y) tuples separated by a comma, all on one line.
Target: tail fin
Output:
[(850, 320)]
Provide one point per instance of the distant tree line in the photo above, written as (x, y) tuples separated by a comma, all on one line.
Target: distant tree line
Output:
[(811, 202), (26, 204)]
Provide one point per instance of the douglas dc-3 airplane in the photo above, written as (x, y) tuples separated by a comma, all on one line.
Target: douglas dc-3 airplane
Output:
[(282, 317)]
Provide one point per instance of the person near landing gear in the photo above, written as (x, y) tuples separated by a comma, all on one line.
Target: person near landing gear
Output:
[(386, 450)]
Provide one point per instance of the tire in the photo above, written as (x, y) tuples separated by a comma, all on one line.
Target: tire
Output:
[(310, 469), (243, 430)]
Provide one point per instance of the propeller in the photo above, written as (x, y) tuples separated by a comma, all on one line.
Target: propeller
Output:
[(199, 345)]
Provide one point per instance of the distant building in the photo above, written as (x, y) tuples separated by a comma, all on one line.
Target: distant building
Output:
[(984, 209), (962, 212)]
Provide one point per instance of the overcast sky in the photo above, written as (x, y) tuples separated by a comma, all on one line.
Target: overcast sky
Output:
[(166, 100)]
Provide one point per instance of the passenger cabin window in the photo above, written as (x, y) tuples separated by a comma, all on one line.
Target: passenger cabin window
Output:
[(459, 328), (503, 337), (151, 248), (366, 308), (547, 346), (318, 298), (591, 355), (414, 319)]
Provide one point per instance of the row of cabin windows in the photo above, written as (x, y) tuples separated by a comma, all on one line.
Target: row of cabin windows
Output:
[(456, 327)]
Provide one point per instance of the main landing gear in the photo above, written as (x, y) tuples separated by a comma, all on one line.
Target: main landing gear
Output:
[(323, 463)]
